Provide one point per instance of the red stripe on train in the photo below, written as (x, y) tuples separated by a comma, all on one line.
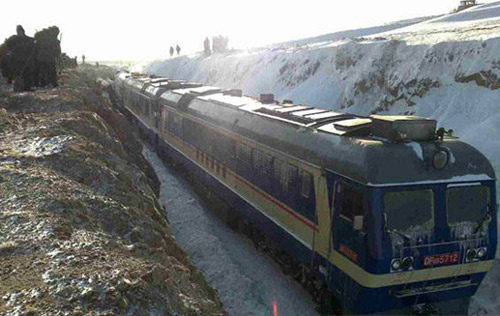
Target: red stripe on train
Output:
[(308, 224)]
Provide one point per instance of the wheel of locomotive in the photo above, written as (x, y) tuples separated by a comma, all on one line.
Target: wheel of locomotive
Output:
[(244, 227), (425, 309), (258, 240), (301, 276), (290, 269), (329, 305), (310, 287), (233, 221)]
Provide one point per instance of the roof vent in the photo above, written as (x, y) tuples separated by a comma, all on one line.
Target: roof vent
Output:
[(159, 79), (205, 90), (233, 92), (266, 98), (401, 128)]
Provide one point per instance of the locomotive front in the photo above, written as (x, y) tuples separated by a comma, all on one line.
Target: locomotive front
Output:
[(423, 229)]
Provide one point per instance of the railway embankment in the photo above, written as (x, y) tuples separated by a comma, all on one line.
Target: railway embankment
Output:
[(81, 229)]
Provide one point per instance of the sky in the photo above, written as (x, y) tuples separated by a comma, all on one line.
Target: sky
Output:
[(144, 30)]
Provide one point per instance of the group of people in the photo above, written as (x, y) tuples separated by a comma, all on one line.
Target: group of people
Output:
[(219, 45), (177, 48), (31, 62)]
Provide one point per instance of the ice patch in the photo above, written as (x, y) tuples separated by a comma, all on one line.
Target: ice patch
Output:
[(452, 157), (417, 235), (43, 146), (464, 178), (417, 148)]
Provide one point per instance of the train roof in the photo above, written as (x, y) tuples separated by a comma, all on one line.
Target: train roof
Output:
[(370, 150)]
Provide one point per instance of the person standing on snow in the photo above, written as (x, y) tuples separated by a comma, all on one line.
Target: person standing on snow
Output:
[(48, 52), (178, 49), (21, 49), (206, 47), (5, 64)]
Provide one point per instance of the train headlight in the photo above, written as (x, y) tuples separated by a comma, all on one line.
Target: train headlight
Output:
[(481, 253), (470, 254), (396, 264), (407, 263), (440, 159)]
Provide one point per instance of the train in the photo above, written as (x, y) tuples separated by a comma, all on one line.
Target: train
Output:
[(373, 214)]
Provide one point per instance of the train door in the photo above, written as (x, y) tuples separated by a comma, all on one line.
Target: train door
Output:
[(349, 223), (157, 114)]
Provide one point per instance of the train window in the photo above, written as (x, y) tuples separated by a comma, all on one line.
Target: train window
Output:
[(165, 120), (262, 162), (152, 109), (144, 105), (467, 205), (286, 174), (306, 184), (292, 174), (176, 126), (147, 105), (244, 153), (279, 167), (350, 201), (233, 148), (135, 102), (139, 106), (407, 210)]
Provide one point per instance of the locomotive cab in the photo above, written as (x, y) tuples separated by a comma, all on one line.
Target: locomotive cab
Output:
[(416, 229)]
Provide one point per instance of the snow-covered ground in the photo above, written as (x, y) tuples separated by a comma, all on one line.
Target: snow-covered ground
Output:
[(447, 67), (248, 282)]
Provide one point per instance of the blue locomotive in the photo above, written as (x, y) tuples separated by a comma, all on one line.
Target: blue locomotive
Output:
[(377, 213)]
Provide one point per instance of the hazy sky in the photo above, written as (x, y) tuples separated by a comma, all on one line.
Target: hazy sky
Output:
[(143, 30)]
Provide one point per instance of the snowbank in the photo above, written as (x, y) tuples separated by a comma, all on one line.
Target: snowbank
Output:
[(447, 68)]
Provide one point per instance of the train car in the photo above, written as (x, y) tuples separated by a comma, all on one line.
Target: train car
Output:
[(378, 212)]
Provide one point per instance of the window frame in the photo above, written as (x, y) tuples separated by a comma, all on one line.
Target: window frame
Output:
[(247, 158), (310, 182), (408, 189), (449, 188), (337, 202), (262, 162)]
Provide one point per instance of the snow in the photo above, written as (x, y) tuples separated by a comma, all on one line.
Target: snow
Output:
[(247, 281), (355, 33), (43, 146), (412, 69), (465, 178), (446, 68), (417, 148)]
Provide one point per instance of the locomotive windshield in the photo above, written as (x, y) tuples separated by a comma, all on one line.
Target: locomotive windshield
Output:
[(467, 204), (408, 211)]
